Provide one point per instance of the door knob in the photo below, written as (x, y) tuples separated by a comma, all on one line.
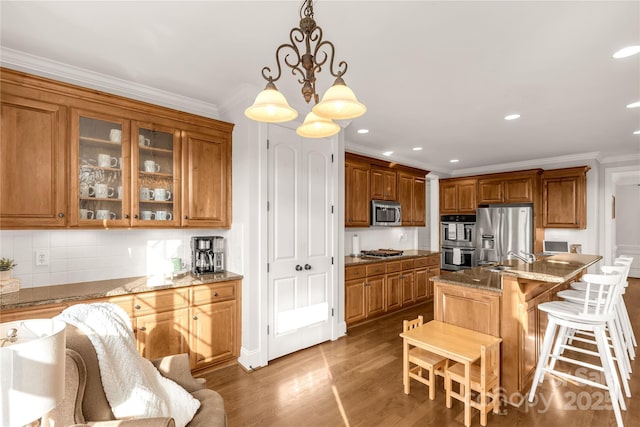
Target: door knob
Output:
[(298, 267), (307, 267)]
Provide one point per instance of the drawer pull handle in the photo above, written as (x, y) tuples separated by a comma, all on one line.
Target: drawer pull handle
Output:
[(142, 328), (60, 215), (195, 317), (137, 307), (215, 294)]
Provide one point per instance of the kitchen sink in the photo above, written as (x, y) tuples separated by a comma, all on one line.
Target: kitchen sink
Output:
[(499, 268)]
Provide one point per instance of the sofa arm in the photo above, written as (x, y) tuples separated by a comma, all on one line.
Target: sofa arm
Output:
[(133, 422), (176, 368)]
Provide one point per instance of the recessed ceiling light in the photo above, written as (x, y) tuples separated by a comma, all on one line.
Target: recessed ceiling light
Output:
[(417, 148), (637, 132), (512, 117), (387, 153), (634, 105), (363, 131), (627, 51), (454, 161)]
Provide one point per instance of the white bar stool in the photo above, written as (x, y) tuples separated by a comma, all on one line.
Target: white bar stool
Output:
[(595, 315)]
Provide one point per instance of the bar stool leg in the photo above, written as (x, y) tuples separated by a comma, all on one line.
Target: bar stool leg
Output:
[(607, 364), (544, 355), (620, 357)]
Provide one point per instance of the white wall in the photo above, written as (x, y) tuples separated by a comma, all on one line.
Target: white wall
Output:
[(381, 238), (627, 224)]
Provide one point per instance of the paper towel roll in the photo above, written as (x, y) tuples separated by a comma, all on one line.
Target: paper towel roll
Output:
[(355, 242)]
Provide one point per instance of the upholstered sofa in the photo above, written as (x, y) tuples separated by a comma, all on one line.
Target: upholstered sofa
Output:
[(85, 403)]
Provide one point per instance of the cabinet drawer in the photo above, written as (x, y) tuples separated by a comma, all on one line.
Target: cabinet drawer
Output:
[(393, 267), (407, 265), (433, 260), (206, 294), (420, 262), (355, 272), (375, 269), (160, 301)]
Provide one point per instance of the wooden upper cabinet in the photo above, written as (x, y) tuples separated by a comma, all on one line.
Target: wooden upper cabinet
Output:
[(458, 196), (383, 183), (412, 198), (508, 188), (206, 185), (564, 198), (357, 191), (33, 163)]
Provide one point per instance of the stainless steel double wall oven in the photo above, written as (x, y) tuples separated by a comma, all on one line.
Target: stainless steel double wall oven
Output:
[(458, 242)]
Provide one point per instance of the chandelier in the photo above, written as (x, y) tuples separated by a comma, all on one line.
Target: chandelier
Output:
[(306, 54)]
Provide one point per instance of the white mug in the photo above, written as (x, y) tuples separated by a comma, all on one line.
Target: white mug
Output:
[(164, 216), (119, 191), (151, 166), (103, 191), (161, 194), (106, 161), (143, 142), (146, 193), (86, 214), (105, 214), (86, 190), (115, 135), (147, 215)]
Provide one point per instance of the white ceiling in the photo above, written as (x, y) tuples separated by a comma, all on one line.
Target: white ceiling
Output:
[(440, 75)]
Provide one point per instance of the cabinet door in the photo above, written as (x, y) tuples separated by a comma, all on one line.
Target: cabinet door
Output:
[(357, 192), (431, 272), (374, 290), (448, 197), (394, 291), (163, 334), (156, 175), (212, 333), (405, 197), (419, 202), (407, 280), (206, 186), (518, 190), (466, 192), (564, 198), (383, 184), (32, 164), (355, 308), (100, 170), (421, 284), (490, 191)]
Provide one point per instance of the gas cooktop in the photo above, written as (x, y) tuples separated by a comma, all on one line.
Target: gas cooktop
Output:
[(381, 253)]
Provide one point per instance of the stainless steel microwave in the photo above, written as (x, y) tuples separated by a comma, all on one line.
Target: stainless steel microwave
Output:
[(386, 213)]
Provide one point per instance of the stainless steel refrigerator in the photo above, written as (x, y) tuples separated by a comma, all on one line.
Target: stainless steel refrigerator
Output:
[(503, 228)]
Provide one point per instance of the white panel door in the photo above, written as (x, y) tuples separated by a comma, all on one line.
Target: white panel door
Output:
[(300, 242)]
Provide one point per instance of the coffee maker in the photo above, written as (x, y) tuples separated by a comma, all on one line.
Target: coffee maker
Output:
[(207, 254)]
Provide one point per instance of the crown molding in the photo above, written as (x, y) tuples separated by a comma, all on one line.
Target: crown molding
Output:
[(43, 67), (367, 151), (528, 164), (621, 158)]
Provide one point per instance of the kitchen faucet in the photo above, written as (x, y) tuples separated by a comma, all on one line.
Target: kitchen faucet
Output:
[(525, 257)]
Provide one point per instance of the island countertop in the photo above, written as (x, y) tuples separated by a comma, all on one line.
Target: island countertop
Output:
[(555, 269)]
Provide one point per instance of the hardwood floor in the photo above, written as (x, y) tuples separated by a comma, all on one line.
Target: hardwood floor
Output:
[(357, 381)]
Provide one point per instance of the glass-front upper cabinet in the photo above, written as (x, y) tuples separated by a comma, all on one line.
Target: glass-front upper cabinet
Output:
[(156, 172), (100, 170)]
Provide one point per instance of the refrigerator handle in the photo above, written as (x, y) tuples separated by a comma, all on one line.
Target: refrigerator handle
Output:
[(499, 235)]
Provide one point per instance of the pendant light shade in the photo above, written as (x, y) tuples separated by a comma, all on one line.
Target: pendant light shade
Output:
[(339, 103), (271, 106), (317, 127)]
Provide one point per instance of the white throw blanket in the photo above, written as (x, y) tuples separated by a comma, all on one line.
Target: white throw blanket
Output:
[(132, 385)]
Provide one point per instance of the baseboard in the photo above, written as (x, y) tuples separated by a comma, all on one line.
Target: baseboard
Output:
[(249, 360)]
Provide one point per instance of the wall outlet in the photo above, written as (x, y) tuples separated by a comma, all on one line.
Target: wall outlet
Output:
[(42, 256)]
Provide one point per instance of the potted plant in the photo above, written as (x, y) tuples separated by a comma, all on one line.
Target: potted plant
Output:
[(6, 265)]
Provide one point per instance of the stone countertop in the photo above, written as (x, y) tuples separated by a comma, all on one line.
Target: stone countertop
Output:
[(30, 297), (412, 253), (554, 269)]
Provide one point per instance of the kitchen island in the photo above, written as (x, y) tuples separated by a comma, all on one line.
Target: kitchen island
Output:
[(502, 300)]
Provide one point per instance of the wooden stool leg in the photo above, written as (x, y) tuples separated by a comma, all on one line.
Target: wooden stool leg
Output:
[(447, 388), (432, 384)]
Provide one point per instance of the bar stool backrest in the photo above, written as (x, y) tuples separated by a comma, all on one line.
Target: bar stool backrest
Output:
[(602, 293)]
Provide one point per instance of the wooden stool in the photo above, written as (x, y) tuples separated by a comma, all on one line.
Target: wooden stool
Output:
[(423, 359), (484, 380)]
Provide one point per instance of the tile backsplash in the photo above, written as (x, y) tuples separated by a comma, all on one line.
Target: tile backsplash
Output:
[(89, 255)]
